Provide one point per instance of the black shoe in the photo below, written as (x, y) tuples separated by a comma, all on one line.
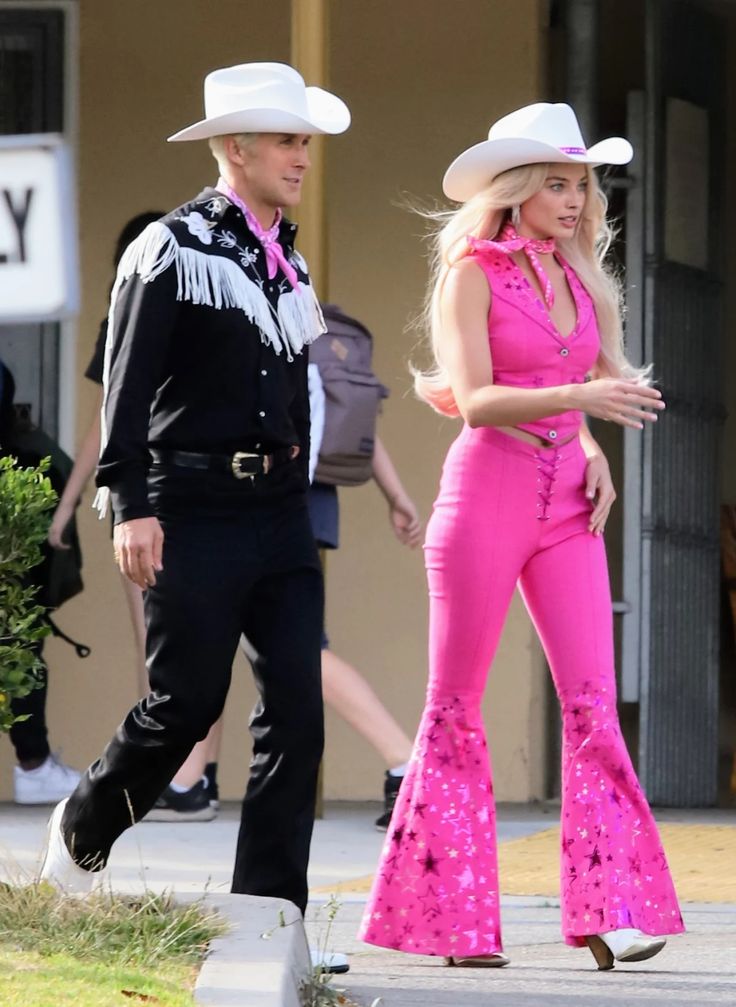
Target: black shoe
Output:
[(210, 771), (391, 786), (191, 806)]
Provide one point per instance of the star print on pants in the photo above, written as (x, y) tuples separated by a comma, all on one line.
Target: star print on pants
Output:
[(430, 863)]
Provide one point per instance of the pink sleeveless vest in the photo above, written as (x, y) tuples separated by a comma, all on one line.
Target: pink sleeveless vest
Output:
[(527, 349)]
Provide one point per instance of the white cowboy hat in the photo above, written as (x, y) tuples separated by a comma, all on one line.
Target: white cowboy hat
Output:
[(264, 98), (531, 135)]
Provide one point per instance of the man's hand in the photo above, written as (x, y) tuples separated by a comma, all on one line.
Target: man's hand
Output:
[(405, 521), (599, 490), (138, 549)]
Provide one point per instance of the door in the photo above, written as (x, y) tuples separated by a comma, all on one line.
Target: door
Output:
[(671, 567)]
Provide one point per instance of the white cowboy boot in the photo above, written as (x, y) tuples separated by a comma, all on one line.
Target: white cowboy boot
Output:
[(624, 946)]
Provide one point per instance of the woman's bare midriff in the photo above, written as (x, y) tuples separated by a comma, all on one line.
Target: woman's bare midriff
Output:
[(523, 435)]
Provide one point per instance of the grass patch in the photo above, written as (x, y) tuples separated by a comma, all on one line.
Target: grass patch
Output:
[(106, 949), (32, 980)]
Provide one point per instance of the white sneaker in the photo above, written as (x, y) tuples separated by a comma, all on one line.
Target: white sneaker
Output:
[(329, 961), (58, 868), (626, 945), (49, 783)]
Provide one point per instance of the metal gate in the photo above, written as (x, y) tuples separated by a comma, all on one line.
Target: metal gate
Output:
[(674, 630)]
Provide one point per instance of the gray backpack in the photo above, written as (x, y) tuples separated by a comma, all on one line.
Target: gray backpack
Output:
[(353, 397)]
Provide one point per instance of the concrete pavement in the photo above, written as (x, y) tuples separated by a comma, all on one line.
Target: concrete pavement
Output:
[(697, 968)]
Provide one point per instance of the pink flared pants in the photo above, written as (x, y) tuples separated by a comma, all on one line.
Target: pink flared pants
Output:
[(510, 513)]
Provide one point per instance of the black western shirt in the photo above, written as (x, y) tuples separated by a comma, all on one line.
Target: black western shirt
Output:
[(206, 353)]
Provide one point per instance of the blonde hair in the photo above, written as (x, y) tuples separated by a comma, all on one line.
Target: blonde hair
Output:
[(217, 145), (483, 216)]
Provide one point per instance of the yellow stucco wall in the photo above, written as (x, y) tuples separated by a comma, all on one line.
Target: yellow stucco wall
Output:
[(422, 82)]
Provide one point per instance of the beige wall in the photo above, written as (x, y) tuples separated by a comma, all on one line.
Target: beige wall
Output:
[(423, 81)]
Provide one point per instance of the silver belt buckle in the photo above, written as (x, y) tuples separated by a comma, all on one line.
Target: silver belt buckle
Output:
[(235, 465)]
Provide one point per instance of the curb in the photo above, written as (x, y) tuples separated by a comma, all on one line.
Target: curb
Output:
[(246, 969)]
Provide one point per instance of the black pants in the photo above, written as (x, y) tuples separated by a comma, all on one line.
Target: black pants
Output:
[(30, 737), (239, 557)]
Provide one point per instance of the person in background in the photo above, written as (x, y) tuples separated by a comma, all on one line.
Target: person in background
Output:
[(39, 776), (192, 795), (343, 687)]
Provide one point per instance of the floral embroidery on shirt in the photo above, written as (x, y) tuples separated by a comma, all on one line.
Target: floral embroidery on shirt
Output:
[(216, 205), (247, 255), (199, 227), (227, 239), (206, 230)]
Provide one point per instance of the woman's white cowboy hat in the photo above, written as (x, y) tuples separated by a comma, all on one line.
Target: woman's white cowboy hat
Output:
[(265, 98), (531, 135)]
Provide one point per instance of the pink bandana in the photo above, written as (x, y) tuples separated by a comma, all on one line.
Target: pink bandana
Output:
[(512, 241), (269, 239)]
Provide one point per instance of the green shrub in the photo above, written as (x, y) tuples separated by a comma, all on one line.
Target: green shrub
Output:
[(26, 497)]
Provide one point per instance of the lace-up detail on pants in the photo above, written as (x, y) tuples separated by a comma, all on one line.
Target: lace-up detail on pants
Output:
[(547, 465)]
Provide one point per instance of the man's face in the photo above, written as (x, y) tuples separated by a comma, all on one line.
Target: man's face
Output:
[(273, 168)]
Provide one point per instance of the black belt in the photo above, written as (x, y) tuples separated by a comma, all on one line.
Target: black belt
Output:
[(241, 464)]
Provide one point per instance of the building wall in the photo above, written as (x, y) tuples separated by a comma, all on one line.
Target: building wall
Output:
[(422, 83)]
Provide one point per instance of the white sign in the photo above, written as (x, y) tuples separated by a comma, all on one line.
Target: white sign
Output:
[(38, 230)]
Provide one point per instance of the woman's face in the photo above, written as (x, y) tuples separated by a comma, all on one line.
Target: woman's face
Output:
[(554, 211)]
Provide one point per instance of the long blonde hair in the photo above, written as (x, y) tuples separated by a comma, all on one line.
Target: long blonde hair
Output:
[(483, 217)]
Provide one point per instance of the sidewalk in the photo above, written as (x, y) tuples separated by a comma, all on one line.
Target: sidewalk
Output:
[(697, 968)]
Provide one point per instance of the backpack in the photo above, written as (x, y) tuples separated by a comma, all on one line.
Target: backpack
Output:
[(353, 396)]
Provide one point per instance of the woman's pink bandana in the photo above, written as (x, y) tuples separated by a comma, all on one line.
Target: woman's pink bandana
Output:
[(509, 240)]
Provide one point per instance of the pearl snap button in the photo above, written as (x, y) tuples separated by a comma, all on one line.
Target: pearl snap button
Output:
[(564, 352), (264, 373), (262, 414), (552, 435)]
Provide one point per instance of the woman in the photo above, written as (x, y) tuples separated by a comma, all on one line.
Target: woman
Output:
[(526, 334)]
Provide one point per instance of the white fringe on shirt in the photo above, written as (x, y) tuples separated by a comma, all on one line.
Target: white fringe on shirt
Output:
[(217, 282)]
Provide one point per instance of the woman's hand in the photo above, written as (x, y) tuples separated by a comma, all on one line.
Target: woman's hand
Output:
[(619, 400), (599, 490), (62, 517)]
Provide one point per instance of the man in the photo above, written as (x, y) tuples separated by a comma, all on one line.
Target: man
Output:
[(205, 459)]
